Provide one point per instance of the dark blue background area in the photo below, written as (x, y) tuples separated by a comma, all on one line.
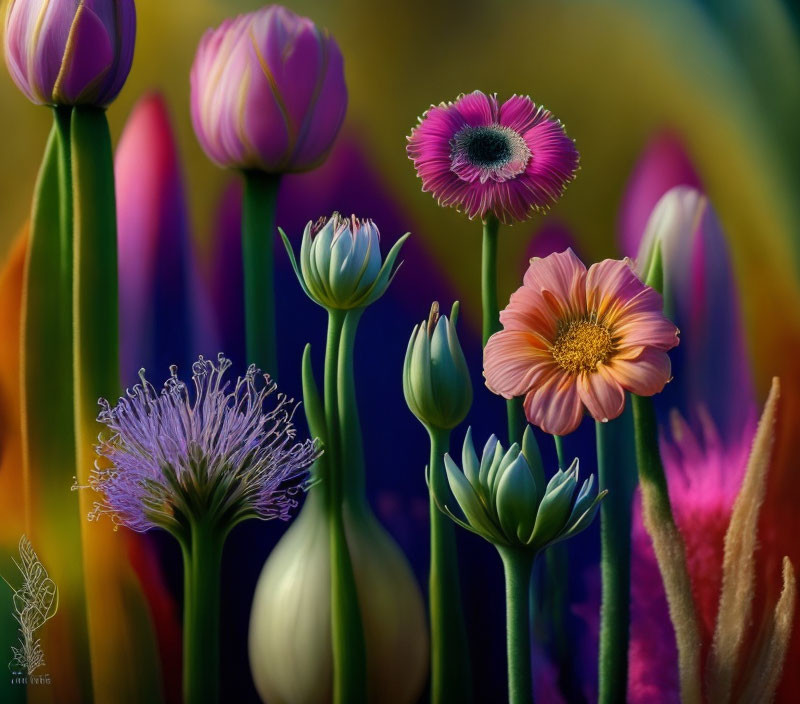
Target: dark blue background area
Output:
[(396, 444)]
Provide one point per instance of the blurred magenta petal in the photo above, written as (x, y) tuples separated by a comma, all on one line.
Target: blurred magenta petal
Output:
[(553, 236), (70, 52), (163, 312), (663, 165), (268, 92)]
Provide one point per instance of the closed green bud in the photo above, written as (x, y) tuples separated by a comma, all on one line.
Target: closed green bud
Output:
[(340, 262), (503, 496), (436, 379)]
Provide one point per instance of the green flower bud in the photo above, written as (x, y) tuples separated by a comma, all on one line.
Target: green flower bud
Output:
[(340, 262), (436, 379), (503, 496)]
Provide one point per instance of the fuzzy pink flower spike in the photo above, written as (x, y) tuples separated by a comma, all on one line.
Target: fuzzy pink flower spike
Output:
[(573, 338)]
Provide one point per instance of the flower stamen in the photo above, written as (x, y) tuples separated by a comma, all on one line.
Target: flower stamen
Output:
[(581, 345)]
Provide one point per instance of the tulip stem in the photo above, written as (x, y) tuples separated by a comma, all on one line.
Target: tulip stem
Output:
[(116, 606), (559, 443), (491, 315), (347, 633), (202, 560), (450, 671), (258, 230), (615, 541), (517, 565)]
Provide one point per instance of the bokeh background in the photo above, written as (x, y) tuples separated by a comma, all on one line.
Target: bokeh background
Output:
[(721, 77)]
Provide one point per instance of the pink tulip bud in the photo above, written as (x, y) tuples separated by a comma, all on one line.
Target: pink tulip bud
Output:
[(268, 92), (70, 52)]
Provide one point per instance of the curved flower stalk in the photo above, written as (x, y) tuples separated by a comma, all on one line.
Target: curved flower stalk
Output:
[(70, 52), (196, 465), (502, 163), (504, 498), (343, 250), (268, 98), (438, 391)]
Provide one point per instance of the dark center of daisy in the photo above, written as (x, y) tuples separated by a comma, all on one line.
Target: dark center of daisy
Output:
[(487, 147), (581, 345)]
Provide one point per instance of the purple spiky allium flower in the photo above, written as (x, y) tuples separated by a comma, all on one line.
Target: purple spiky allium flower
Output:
[(484, 158), (218, 454)]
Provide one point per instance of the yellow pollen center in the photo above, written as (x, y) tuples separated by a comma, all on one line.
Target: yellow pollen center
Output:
[(581, 345)]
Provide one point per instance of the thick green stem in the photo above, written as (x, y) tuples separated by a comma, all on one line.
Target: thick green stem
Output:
[(122, 641), (258, 230), (54, 520), (491, 315), (349, 650), (451, 678), (615, 540), (517, 565), (202, 560)]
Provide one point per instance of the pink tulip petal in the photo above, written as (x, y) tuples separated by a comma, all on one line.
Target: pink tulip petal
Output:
[(513, 362), (555, 405), (601, 393)]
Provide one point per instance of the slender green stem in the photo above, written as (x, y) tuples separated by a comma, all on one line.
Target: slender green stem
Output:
[(491, 310), (517, 565), (202, 560), (350, 430), (559, 441), (615, 539), (491, 315), (451, 677), (349, 650), (258, 230)]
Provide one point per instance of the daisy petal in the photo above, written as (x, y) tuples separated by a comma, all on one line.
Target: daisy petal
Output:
[(555, 405), (513, 362), (601, 393), (646, 375), (562, 275)]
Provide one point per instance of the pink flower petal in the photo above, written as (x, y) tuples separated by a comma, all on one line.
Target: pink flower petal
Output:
[(518, 113), (562, 275), (646, 329), (610, 286), (555, 405), (477, 108), (601, 393), (528, 310), (646, 375), (513, 362)]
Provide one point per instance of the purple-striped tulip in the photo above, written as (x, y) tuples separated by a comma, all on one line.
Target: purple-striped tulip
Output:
[(268, 92), (70, 52)]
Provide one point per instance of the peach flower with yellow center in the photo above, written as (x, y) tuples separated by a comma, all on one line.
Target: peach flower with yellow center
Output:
[(575, 338)]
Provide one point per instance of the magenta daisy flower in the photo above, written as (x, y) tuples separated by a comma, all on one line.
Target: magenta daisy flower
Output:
[(508, 160)]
